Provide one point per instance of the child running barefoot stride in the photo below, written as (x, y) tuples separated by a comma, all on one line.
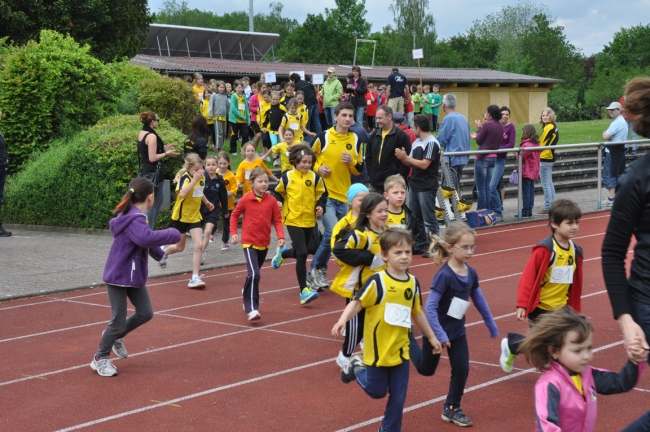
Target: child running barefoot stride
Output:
[(186, 215), (216, 193), (223, 162), (250, 162), (552, 278), (392, 300), (452, 287), (559, 345), (259, 211), (303, 196), (127, 269)]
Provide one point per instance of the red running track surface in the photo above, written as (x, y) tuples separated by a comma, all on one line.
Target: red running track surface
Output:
[(199, 365)]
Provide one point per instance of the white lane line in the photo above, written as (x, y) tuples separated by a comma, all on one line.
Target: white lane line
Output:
[(53, 331), (543, 225)]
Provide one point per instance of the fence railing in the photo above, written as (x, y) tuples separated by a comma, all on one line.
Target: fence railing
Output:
[(599, 145)]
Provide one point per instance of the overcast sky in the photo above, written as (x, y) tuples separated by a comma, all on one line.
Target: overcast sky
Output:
[(588, 24)]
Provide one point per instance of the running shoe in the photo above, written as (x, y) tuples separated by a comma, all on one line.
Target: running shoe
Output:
[(342, 360), (307, 296), (507, 358), (254, 315), (163, 261), (319, 277), (196, 283), (349, 371), (225, 247), (103, 367), (120, 349), (276, 162), (457, 416), (277, 260), (211, 239)]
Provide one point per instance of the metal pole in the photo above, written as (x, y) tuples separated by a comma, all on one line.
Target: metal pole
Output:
[(158, 40), (220, 50), (273, 52), (374, 49), (599, 186), (251, 21), (188, 48), (168, 54), (241, 51), (519, 194), (354, 60), (209, 48), (253, 45)]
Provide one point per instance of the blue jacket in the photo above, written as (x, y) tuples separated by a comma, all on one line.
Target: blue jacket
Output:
[(454, 137), (127, 262)]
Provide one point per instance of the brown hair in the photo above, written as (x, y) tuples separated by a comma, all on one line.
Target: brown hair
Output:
[(394, 236), (453, 233), (368, 204), (637, 103), (225, 156), (530, 133), (290, 84), (243, 148), (255, 173), (561, 210), (297, 151), (394, 180), (552, 118), (147, 117), (139, 189), (293, 102), (199, 128), (546, 337)]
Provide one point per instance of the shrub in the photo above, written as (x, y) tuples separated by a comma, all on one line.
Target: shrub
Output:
[(78, 182), (52, 89), (127, 77), (170, 98)]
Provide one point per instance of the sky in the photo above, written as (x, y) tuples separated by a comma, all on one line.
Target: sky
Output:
[(588, 24)]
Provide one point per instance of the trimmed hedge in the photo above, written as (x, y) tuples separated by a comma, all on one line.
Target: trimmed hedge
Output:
[(77, 183)]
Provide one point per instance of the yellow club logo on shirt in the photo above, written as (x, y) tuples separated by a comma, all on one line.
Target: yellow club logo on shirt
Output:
[(308, 182), (348, 146), (408, 293)]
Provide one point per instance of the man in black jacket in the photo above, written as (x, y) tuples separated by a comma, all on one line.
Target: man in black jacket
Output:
[(380, 153), (4, 166), (310, 102)]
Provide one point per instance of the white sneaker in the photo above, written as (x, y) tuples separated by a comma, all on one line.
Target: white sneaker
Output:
[(225, 247), (254, 315), (342, 360), (361, 344), (196, 283), (103, 367), (163, 260), (276, 162), (211, 239), (120, 349)]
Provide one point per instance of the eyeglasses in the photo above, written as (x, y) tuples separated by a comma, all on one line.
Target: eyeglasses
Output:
[(466, 249)]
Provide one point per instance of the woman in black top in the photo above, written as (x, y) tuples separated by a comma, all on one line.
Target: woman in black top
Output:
[(152, 151), (357, 88), (197, 140), (630, 298)]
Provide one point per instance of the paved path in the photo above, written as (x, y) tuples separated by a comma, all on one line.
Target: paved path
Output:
[(43, 260)]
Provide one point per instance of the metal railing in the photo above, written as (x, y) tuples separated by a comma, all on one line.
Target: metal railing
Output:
[(599, 145)]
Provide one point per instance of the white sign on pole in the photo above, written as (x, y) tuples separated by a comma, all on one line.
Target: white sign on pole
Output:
[(301, 73), (418, 54), (269, 77), (318, 79)]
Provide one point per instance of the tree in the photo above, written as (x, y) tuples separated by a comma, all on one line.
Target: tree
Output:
[(466, 51), (113, 28), (414, 28)]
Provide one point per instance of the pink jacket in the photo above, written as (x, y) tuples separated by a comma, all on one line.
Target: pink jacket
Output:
[(253, 107), (529, 161), (559, 406)]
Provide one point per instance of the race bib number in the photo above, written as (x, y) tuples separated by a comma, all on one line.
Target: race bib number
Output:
[(294, 126), (368, 101), (562, 275), (397, 315), (247, 174), (241, 107), (198, 192), (457, 308)]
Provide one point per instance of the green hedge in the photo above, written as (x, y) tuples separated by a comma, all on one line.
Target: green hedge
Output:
[(77, 183)]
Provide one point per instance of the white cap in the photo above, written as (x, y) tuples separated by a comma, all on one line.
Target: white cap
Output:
[(614, 105)]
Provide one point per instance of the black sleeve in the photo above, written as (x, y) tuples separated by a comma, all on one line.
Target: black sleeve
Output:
[(403, 142), (352, 257), (322, 201), (368, 158), (362, 88), (223, 197), (201, 147), (608, 383)]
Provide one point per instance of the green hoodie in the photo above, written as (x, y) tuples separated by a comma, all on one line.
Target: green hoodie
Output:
[(331, 91)]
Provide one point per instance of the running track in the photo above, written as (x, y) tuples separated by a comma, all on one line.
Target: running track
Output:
[(199, 365)]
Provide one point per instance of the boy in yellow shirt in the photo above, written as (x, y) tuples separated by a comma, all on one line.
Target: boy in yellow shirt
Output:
[(295, 121)]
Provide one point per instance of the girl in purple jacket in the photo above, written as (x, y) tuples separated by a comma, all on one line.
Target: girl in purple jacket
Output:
[(126, 270), (560, 346)]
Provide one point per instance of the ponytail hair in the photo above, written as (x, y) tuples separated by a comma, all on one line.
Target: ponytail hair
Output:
[(191, 159), (453, 233), (139, 189), (369, 202)]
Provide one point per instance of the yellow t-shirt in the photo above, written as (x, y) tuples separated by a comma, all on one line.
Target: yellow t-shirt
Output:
[(282, 149), (197, 91), (389, 343), (244, 170), (345, 221), (294, 122), (231, 186), (204, 110), (381, 148), (241, 102), (301, 192), (558, 278), (188, 209), (261, 112), (302, 109), (329, 148), (396, 220)]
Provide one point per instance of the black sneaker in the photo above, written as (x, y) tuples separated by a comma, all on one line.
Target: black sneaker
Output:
[(456, 415), (348, 372), (4, 232), (426, 254)]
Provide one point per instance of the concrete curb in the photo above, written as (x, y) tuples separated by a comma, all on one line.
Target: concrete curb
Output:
[(55, 229)]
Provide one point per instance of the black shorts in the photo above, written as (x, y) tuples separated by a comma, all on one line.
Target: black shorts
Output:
[(184, 227), (212, 220)]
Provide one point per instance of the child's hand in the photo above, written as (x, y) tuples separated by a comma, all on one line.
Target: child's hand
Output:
[(446, 345), (280, 243), (338, 328), (313, 134), (234, 239), (210, 206), (521, 313), (437, 348), (198, 175), (226, 215), (319, 211)]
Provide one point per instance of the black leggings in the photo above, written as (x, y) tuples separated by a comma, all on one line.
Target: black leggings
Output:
[(515, 339), (238, 129), (299, 239), (225, 235), (353, 331)]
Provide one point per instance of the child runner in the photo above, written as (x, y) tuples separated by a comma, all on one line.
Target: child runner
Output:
[(259, 211), (391, 299), (218, 111), (272, 120), (254, 107), (282, 150), (552, 278), (250, 162), (452, 286), (239, 117), (186, 215), (223, 162), (265, 105), (399, 215), (529, 169), (127, 269), (559, 345), (216, 192), (205, 108), (295, 121), (356, 193), (359, 255), (302, 108), (303, 197)]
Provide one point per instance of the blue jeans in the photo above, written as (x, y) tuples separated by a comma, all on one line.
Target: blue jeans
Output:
[(546, 175), (314, 119), (497, 176), (334, 211), (608, 180), (457, 174), (423, 206), (483, 169), (358, 115), (376, 381), (329, 115), (528, 195)]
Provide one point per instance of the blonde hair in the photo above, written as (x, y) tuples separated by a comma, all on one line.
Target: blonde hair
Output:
[(190, 160), (255, 173), (453, 233), (551, 116), (196, 77), (394, 180), (275, 93), (243, 148), (637, 103)]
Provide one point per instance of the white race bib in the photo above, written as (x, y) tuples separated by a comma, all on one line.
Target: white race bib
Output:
[(368, 101), (198, 192), (247, 174), (397, 315), (294, 126), (241, 107), (562, 275), (457, 308)]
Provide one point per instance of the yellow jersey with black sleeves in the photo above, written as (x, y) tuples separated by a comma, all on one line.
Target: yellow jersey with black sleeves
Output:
[(231, 186), (282, 150), (558, 278), (397, 220), (355, 253), (204, 110), (188, 209), (302, 110), (244, 171), (389, 303), (550, 137), (302, 192), (294, 122), (345, 221), (329, 147), (261, 112)]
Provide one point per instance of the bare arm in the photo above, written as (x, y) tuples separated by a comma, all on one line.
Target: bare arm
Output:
[(353, 308)]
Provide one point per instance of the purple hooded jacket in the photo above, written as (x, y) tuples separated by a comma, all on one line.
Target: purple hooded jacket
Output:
[(127, 262)]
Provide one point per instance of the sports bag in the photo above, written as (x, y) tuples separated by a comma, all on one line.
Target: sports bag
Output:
[(480, 218)]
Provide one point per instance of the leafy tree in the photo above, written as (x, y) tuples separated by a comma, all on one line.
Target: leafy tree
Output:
[(414, 25), (113, 28), (466, 51)]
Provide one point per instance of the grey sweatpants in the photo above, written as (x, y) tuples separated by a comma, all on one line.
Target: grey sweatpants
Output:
[(120, 325)]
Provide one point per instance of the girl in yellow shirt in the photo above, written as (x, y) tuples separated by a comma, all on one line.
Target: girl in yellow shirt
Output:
[(246, 167)]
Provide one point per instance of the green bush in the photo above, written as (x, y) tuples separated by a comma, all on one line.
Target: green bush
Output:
[(127, 78), (52, 89), (78, 182), (171, 99)]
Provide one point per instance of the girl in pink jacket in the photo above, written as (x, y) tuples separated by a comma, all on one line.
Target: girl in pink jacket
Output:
[(560, 346), (529, 169)]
